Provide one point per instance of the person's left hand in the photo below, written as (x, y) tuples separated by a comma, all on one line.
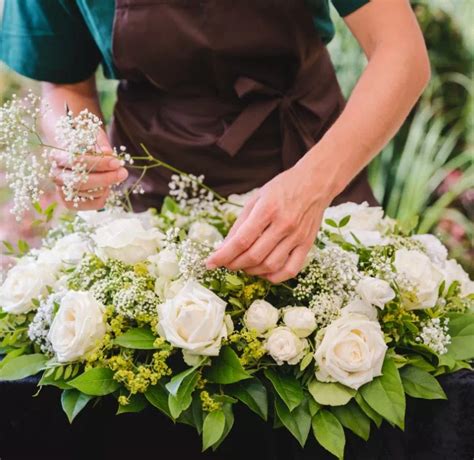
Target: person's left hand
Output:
[(277, 227)]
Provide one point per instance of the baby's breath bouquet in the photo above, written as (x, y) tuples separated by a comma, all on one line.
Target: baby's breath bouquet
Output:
[(120, 304)]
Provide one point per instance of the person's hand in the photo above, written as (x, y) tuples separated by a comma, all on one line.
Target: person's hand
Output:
[(276, 229), (104, 171)]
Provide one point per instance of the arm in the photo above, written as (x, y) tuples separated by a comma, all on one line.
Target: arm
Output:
[(105, 171), (277, 227)]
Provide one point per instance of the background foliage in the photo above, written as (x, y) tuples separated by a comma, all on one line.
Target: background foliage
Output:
[(427, 170)]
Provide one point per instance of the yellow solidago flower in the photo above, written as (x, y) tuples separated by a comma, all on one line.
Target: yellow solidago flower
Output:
[(208, 403)]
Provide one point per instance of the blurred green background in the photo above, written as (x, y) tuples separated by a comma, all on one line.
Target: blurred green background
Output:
[(427, 171)]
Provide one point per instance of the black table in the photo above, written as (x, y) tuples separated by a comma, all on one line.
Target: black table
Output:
[(36, 428)]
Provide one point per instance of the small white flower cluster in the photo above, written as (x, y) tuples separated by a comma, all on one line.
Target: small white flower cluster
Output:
[(77, 136), (333, 270), (191, 196), (326, 307), (40, 326), (435, 335), (192, 257), (24, 171)]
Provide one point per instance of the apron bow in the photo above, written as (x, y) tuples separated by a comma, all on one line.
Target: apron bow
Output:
[(264, 101)]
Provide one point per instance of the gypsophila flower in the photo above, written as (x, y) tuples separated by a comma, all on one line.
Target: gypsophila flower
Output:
[(41, 324), (25, 167), (333, 270), (192, 256), (326, 307), (435, 335)]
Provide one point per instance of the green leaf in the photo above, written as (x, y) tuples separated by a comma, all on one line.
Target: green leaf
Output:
[(374, 416), (298, 422), (419, 384), (22, 366), (229, 423), (193, 415), (329, 433), (23, 246), (385, 394), (331, 223), (49, 379), (97, 381), (306, 361), (330, 394), (353, 418), (11, 355), (344, 221), (287, 387), (226, 368), (157, 396), (462, 344), (170, 205), (72, 402), (138, 339), (136, 404), (213, 428), (253, 394), (173, 385), (422, 363), (184, 397)]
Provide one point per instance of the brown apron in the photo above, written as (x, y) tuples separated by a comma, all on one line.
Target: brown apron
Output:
[(224, 88)]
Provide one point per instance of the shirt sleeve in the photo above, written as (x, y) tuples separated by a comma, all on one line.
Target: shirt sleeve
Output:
[(346, 7), (47, 40)]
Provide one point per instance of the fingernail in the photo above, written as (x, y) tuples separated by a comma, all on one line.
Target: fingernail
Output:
[(122, 174), (115, 164)]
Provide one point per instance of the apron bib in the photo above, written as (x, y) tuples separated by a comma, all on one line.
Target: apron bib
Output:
[(223, 88)]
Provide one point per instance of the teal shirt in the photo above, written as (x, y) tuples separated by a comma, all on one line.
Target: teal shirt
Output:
[(63, 41)]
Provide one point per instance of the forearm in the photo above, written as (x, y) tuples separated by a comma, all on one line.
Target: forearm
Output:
[(397, 73), (55, 99)]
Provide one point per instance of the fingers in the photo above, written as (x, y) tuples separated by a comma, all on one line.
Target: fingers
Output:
[(94, 180), (243, 216), (292, 266), (96, 163), (248, 232), (271, 238)]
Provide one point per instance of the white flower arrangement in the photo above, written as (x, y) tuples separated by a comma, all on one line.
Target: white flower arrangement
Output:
[(121, 304)]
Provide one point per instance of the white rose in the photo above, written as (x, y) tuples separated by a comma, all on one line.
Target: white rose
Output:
[(166, 288), (127, 240), (375, 291), (453, 271), (301, 320), (421, 274), (78, 327), (365, 237), (435, 250), (204, 233), (71, 249), (240, 200), (164, 264), (360, 307), (24, 282), (194, 320), (352, 351), (261, 316), (284, 346)]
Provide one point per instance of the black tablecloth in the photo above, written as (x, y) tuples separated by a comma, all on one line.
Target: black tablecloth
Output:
[(36, 428)]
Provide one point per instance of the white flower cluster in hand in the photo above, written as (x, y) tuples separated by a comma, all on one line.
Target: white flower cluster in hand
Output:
[(25, 169), (39, 328), (77, 136), (435, 335), (191, 196), (333, 270)]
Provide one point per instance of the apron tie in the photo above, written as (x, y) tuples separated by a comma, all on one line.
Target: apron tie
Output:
[(265, 101)]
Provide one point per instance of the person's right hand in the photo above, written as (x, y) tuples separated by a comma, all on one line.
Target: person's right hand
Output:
[(104, 171)]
